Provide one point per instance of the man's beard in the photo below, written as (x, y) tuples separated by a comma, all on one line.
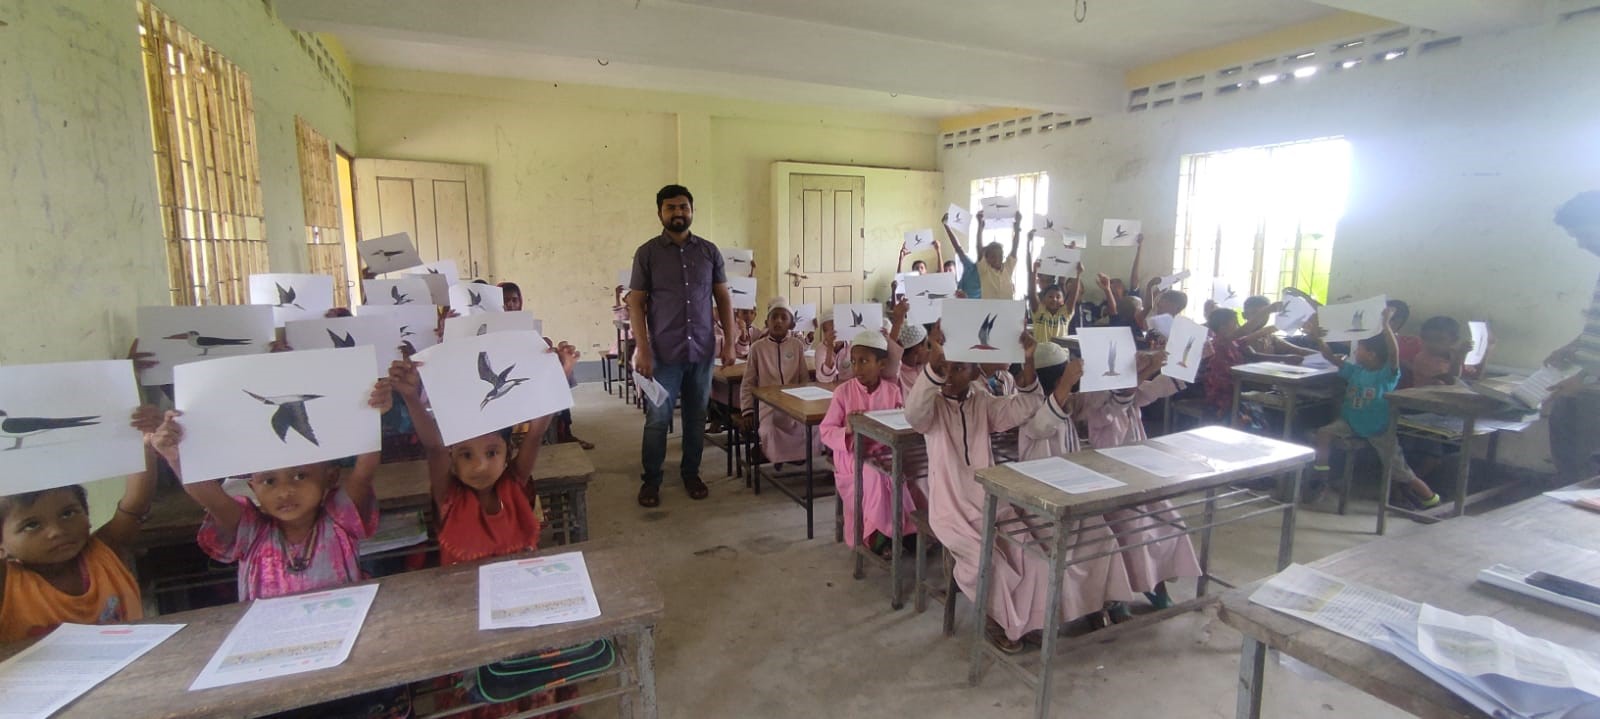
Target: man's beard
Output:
[(678, 224)]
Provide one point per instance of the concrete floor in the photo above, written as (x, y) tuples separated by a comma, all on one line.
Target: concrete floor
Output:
[(761, 622)]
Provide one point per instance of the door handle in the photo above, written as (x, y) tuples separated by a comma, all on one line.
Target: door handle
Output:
[(795, 277)]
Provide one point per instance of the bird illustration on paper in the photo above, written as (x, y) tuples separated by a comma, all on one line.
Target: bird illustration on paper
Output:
[(432, 271), (933, 295), (286, 296), (206, 344), (1232, 293), (475, 300), (17, 428), (1120, 233), (400, 298), (1061, 262), (1184, 361), (984, 330), (855, 320), (738, 291), (386, 254), (1111, 361), (345, 341), (483, 329), (290, 414), (405, 331), (1357, 320), (499, 383)]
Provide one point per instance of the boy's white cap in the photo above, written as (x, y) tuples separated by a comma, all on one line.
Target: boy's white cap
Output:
[(1049, 354), (778, 303), (912, 334), (870, 338)]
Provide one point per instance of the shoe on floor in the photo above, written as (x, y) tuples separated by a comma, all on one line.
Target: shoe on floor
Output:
[(649, 495)]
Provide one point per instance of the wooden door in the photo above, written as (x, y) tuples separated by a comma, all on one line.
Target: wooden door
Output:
[(441, 205), (827, 241)]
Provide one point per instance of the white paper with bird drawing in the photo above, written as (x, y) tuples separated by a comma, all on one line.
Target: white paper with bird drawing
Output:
[(254, 414), (471, 298), (1480, 343), (805, 317), (983, 330), (1110, 358), (446, 269), (919, 240), (1168, 282), (482, 384), (1186, 344), (743, 292), (67, 423), (438, 288), (958, 218), (850, 320), (1296, 312), (402, 291), (999, 212), (456, 328), (1059, 260), (737, 262), (177, 335), (390, 253), (1119, 233), (379, 332), (416, 323), (1229, 293), (1353, 320), (292, 297), (926, 293)]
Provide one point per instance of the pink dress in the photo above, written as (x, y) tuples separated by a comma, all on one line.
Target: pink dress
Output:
[(841, 364), (958, 445), (877, 504), (907, 376), (1113, 419), (775, 363), (264, 555)]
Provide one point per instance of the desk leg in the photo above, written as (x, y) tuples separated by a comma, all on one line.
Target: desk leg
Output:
[(980, 603), (1467, 428), (896, 596), (645, 666), (1233, 417), (1286, 532), (1206, 517), (810, 486), (1052, 620), (1290, 401), (750, 454), (1387, 474), (1252, 672), (859, 531)]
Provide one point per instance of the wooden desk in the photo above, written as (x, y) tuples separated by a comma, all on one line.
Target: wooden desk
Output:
[(1551, 518), (1452, 401), (1286, 381), (809, 413), (899, 442), (1438, 565), (561, 483), (423, 624), (1039, 504)]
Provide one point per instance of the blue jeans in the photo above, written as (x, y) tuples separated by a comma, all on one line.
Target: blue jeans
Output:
[(692, 382)]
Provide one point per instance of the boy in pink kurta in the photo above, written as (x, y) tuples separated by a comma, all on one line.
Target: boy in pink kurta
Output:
[(776, 358), (861, 394), (913, 340), (834, 365)]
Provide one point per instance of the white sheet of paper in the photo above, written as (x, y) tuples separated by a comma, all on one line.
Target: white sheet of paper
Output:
[(1333, 603), (1167, 282), (737, 262), (381, 333), (998, 212), (1317, 361), (1075, 240), (438, 288), (292, 297), (919, 240), (1186, 344), (1119, 233), (476, 384), (67, 423), (1352, 321), (958, 218), (625, 279), (652, 390), (1154, 461), (1048, 234), (1065, 476), (396, 530), (891, 418), (1229, 446), (411, 290), (217, 331), (1228, 293), (850, 320), (470, 298), (1161, 324), (535, 592), (40, 680), (925, 293), (289, 635), (456, 328), (228, 432), (743, 292), (1480, 343), (1042, 223), (1058, 260), (1282, 369), (444, 268), (983, 330), (1110, 358), (805, 317), (390, 253), (416, 322), (809, 393), (1296, 312)]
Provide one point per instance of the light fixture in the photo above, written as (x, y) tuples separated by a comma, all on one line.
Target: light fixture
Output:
[(1267, 79), (1347, 64), (1306, 71)]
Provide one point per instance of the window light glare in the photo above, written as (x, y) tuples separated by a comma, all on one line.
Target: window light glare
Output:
[(1305, 71), (1347, 64), (1267, 79), (1392, 54)]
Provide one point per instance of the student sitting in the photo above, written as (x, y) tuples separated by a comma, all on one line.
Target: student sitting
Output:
[(866, 392), (913, 341), (1168, 305), (777, 358), (1265, 345), (835, 366), (1365, 413), (1439, 360), (1216, 373), (54, 570)]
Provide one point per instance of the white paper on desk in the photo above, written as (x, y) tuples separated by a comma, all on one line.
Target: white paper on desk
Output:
[(1228, 293), (983, 330), (1119, 233), (1296, 312), (850, 320), (473, 299), (1286, 370), (1186, 344), (390, 253), (925, 293), (737, 262), (1065, 476), (445, 269), (1220, 446), (289, 635), (71, 660), (998, 212), (292, 297), (67, 423), (743, 292), (891, 418), (178, 335), (1480, 343), (416, 322), (809, 393), (482, 384), (1574, 496), (651, 389), (1110, 358), (1315, 360), (379, 332), (1056, 259), (403, 291), (919, 240), (1334, 604), (535, 592), (805, 317), (957, 218), (1353, 320), (1167, 282), (1154, 461)]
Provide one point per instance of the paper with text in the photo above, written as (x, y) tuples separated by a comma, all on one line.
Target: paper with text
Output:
[(289, 635), (1154, 461), (40, 680), (809, 393), (894, 419), (535, 592), (1065, 476)]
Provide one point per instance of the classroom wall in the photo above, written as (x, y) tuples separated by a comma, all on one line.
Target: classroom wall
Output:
[(1460, 158), (572, 172)]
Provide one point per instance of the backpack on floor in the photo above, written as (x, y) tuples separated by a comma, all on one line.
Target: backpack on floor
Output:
[(513, 679)]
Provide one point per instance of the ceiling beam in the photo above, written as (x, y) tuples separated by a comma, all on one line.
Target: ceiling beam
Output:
[(1456, 17)]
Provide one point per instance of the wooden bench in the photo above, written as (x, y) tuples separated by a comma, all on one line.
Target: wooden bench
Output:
[(561, 484)]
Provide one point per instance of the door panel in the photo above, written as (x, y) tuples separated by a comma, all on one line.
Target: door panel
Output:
[(828, 246), (441, 205)]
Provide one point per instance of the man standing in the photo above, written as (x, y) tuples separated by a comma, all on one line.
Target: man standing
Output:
[(1575, 412), (675, 276)]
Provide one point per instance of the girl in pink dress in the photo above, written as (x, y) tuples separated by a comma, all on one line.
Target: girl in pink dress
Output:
[(867, 392)]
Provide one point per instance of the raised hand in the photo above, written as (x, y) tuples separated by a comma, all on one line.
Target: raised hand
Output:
[(1028, 345), (146, 418), (1072, 373), (404, 378), (382, 397)]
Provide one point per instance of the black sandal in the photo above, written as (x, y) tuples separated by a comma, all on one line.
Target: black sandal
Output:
[(649, 495), (696, 488)]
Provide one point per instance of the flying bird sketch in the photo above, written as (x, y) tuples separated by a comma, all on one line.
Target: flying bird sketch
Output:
[(738, 291), (399, 297), (984, 330), (206, 344), (286, 297), (386, 254), (1111, 361), (855, 320), (933, 295), (345, 341), (483, 329), (18, 428), (1357, 320), (1183, 360), (500, 384), (1120, 233), (291, 414), (476, 299)]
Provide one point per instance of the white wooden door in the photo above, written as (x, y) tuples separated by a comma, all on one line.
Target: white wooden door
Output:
[(441, 205), (827, 242)]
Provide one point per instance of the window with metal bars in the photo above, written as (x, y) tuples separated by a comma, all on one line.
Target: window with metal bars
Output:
[(208, 174), (319, 192)]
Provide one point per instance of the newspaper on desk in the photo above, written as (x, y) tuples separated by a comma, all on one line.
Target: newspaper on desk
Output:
[(535, 591), (289, 635), (1334, 604), (70, 661)]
